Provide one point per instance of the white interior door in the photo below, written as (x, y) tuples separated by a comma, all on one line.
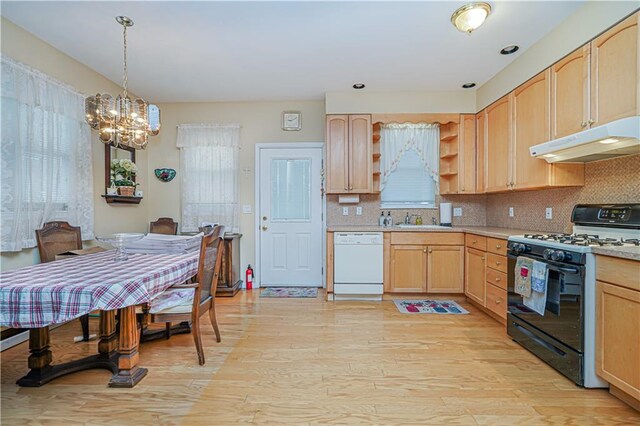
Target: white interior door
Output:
[(290, 221)]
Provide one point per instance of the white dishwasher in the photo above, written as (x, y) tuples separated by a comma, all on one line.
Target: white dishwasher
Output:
[(357, 266)]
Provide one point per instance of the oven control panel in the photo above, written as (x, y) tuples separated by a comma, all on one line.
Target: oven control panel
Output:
[(620, 214)]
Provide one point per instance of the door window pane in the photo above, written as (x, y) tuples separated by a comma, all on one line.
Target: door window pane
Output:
[(291, 189)]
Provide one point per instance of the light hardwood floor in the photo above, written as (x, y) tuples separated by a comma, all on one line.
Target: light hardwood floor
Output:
[(306, 361)]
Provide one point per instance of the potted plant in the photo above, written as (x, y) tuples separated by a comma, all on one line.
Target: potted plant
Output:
[(122, 174)]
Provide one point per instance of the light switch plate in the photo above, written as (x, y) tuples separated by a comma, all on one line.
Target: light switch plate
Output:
[(510, 211), (358, 211), (457, 212), (246, 208), (345, 211), (548, 214)]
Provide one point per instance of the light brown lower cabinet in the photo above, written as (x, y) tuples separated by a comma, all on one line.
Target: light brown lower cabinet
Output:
[(618, 327), (433, 269), (474, 275), (485, 281)]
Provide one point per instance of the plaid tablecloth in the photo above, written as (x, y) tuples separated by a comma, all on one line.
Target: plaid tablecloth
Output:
[(56, 292)]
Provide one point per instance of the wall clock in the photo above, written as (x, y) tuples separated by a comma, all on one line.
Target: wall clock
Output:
[(291, 120)]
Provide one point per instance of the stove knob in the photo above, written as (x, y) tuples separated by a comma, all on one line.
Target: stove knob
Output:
[(547, 253), (519, 248), (557, 256)]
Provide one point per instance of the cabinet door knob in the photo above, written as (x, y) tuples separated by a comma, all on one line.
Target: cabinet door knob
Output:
[(498, 246), (498, 301), (430, 251), (482, 258), (424, 250), (591, 121), (474, 241), (350, 188), (583, 124), (462, 189)]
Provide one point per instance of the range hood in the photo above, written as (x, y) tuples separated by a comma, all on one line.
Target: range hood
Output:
[(620, 137)]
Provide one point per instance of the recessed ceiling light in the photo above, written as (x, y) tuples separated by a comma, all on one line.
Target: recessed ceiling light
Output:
[(358, 86), (468, 85), (470, 16), (508, 50)]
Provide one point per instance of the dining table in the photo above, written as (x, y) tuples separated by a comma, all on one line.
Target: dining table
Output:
[(38, 296)]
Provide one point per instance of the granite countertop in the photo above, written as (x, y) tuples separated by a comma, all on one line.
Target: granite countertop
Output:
[(632, 252), (487, 231)]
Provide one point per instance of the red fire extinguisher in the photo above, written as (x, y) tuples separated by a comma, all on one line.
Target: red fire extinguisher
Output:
[(249, 276)]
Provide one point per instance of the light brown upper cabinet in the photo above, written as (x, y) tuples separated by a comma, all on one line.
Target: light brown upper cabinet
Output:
[(498, 135), (531, 125), (480, 151), (467, 154), (615, 88), (570, 93), (349, 159)]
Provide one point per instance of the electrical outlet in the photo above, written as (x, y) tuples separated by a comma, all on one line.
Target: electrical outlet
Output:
[(457, 212), (345, 211), (510, 211), (548, 214), (246, 208), (358, 211)]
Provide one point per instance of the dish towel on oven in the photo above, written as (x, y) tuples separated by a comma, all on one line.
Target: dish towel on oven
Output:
[(522, 282), (537, 300)]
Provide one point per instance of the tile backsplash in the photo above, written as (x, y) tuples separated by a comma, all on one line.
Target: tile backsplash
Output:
[(610, 181), (473, 211)]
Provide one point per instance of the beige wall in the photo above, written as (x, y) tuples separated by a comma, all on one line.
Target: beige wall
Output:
[(589, 21), (28, 49), (261, 123), (355, 102)]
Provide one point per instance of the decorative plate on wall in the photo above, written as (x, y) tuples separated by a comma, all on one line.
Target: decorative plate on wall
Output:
[(165, 175)]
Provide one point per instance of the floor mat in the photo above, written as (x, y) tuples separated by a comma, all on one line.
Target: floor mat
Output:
[(429, 307), (289, 292)]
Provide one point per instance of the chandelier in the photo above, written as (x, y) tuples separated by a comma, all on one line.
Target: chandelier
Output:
[(122, 121)]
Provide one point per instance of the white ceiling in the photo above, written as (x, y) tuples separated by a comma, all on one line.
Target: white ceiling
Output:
[(214, 51)]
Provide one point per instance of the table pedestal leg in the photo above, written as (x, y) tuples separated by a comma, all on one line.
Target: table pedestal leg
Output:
[(129, 373), (40, 369)]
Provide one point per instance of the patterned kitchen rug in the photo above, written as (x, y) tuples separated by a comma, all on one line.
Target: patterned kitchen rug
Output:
[(289, 292), (429, 307)]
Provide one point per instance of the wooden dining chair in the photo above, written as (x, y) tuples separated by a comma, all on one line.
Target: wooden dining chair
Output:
[(59, 237), (188, 302), (164, 225)]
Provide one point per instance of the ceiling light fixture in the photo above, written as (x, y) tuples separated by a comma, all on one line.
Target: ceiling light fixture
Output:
[(358, 86), (508, 50), (121, 121), (468, 85), (470, 16)]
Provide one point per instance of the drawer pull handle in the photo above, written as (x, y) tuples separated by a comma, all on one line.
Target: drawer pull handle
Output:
[(498, 301), (498, 279), (498, 246), (497, 263), (474, 241), (482, 258)]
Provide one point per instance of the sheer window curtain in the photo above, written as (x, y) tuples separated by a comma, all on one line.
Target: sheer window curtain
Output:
[(396, 139), (209, 168), (46, 156)]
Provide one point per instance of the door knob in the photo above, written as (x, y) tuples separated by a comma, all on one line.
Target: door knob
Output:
[(264, 228)]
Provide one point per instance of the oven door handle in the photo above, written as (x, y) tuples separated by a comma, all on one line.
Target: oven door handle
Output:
[(563, 270)]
